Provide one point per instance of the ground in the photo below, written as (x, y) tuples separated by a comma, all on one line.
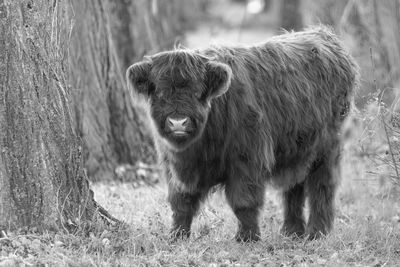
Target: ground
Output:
[(366, 230)]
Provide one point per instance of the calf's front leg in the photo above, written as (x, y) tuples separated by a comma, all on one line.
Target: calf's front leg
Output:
[(245, 196), (184, 207)]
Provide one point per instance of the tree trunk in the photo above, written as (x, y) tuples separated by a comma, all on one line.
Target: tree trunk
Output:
[(112, 131), (42, 181), (291, 18)]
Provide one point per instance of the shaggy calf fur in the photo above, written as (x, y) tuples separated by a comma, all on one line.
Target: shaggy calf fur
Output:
[(244, 116)]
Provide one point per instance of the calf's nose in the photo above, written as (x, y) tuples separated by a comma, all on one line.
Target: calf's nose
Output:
[(177, 124)]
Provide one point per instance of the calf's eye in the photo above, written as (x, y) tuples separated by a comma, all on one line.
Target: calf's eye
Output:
[(198, 95)]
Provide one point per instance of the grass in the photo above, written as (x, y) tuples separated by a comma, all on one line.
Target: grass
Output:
[(366, 231)]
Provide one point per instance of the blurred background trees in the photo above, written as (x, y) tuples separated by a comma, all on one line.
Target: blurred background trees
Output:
[(371, 30), (291, 17), (107, 37)]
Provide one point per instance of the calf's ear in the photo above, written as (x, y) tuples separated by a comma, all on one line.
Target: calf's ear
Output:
[(138, 80), (218, 78)]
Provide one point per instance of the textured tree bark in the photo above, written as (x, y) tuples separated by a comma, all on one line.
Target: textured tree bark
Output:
[(111, 130), (42, 180)]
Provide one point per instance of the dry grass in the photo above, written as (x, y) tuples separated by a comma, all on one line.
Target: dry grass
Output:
[(366, 233)]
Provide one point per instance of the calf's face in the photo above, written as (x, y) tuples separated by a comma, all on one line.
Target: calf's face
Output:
[(179, 87)]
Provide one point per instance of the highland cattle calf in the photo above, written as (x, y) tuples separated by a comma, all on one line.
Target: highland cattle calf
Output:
[(246, 116)]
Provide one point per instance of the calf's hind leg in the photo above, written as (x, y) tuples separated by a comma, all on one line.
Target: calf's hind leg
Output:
[(293, 201), (321, 185)]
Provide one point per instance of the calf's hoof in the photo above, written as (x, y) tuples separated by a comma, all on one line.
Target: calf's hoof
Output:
[(314, 233), (295, 230), (247, 235), (179, 234)]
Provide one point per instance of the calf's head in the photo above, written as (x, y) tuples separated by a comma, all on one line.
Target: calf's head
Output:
[(178, 87)]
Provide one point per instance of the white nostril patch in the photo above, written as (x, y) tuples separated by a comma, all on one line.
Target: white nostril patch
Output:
[(177, 123)]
